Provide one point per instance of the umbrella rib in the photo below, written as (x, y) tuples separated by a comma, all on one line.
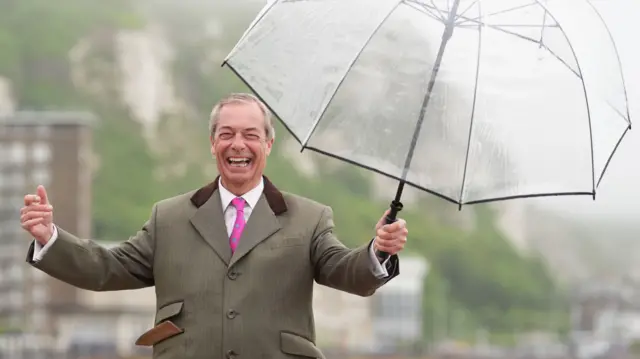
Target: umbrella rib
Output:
[(473, 110), (586, 95), (316, 122), (494, 13), (530, 195), (467, 9), (615, 148), (541, 44), (442, 13), (425, 9), (615, 49)]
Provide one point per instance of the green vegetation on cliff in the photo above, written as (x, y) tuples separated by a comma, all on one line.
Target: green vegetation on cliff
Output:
[(476, 273)]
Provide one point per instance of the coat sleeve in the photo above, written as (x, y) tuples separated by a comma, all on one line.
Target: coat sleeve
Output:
[(349, 270), (86, 264)]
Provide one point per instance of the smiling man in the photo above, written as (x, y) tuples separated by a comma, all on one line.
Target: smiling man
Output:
[(233, 263)]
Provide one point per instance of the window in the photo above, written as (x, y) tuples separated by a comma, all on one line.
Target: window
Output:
[(11, 207), (41, 176), (43, 131), (15, 273), (15, 299), (39, 294), (396, 305), (12, 180), (38, 318), (17, 153), (41, 152)]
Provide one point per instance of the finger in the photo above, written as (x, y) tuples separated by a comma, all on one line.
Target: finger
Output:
[(383, 219), (30, 199), (384, 235), (32, 222), (384, 248), (44, 199), (37, 207), (395, 226), (32, 214)]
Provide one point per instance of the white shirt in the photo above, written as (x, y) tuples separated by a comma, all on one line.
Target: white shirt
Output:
[(251, 198)]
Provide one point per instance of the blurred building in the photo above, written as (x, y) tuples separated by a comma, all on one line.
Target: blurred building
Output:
[(55, 149), (389, 321), (51, 149)]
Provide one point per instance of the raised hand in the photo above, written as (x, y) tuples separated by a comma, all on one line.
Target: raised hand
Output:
[(36, 217)]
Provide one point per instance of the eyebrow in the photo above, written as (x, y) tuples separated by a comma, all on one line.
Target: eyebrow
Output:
[(243, 130)]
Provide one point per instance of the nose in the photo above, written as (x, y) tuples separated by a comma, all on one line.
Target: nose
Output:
[(238, 142)]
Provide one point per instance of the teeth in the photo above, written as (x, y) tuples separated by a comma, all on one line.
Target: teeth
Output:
[(239, 161)]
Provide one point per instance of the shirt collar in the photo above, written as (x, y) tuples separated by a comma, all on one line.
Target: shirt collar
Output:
[(250, 197)]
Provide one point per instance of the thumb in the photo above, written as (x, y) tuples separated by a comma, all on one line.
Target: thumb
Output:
[(42, 193), (383, 219)]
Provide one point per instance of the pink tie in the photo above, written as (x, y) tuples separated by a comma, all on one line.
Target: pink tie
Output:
[(238, 227)]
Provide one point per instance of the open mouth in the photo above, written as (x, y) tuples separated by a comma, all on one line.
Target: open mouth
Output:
[(238, 161)]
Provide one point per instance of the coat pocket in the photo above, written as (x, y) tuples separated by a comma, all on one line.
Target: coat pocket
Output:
[(293, 344), (164, 328)]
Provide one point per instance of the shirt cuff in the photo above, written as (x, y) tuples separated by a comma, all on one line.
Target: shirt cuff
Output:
[(39, 250), (378, 269)]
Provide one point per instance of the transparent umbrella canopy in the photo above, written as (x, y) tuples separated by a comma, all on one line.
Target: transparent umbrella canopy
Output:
[(470, 100)]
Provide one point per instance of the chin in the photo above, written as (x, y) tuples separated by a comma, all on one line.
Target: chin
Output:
[(238, 175)]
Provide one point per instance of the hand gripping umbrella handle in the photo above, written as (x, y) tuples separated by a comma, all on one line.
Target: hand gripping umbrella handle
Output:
[(394, 208)]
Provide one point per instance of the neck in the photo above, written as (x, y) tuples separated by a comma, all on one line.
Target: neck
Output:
[(239, 189)]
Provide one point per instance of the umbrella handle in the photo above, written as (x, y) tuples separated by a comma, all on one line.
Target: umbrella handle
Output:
[(394, 208)]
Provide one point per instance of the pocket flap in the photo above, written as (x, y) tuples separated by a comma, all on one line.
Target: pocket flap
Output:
[(159, 333), (297, 345), (168, 311)]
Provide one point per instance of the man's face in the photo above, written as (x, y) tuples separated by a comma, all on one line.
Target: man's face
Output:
[(240, 145)]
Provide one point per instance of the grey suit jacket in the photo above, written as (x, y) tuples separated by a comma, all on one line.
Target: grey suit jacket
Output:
[(256, 303)]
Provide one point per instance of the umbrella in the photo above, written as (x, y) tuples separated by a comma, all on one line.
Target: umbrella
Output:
[(470, 100)]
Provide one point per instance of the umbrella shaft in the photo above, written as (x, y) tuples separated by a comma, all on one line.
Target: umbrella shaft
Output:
[(448, 31), (396, 204)]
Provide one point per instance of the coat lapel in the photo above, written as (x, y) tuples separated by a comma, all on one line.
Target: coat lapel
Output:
[(261, 225), (208, 220)]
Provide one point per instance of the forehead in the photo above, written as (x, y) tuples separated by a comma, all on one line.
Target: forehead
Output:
[(241, 115)]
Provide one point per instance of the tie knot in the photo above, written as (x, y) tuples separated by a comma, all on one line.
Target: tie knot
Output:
[(238, 203)]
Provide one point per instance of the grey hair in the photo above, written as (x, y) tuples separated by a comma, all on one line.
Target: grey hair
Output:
[(242, 98)]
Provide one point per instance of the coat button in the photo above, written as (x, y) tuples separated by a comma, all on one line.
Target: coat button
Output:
[(231, 314), (233, 275), (231, 354)]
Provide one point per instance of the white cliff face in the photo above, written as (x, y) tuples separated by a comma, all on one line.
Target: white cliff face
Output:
[(144, 60), (7, 102)]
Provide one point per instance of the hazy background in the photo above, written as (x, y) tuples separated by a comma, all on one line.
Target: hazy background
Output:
[(107, 105)]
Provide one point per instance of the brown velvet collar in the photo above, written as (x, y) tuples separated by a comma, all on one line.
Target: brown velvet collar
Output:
[(272, 194)]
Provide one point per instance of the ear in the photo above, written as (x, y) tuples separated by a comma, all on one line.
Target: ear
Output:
[(269, 144)]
